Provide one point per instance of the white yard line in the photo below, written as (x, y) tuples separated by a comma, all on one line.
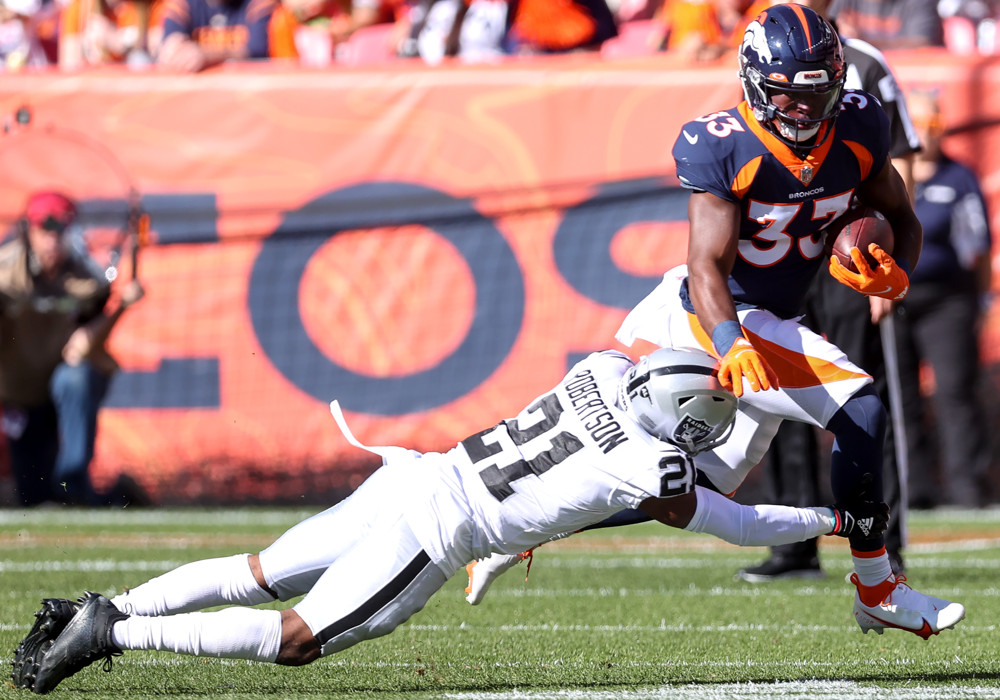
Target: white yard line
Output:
[(821, 690)]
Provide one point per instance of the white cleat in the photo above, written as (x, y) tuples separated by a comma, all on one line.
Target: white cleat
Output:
[(903, 608), (483, 572)]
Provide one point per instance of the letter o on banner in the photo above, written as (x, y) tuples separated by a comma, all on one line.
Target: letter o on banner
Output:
[(582, 245), (279, 268)]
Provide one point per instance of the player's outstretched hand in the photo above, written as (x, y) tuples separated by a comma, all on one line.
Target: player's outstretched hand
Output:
[(868, 519), (887, 279), (743, 360)]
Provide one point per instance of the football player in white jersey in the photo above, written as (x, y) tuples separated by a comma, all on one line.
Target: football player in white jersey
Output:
[(612, 435)]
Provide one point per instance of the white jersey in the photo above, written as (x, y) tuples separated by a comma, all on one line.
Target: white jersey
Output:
[(570, 459)]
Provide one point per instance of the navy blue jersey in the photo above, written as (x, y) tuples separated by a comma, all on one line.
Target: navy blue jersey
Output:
[(221, 25), (786, 202)]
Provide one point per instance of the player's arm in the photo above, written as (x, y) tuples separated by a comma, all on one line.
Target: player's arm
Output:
[(887, 192), (890, 278), (704, 510), (712, 245)]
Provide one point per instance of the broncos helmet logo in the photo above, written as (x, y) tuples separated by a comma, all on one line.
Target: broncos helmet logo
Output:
[(755, 38)]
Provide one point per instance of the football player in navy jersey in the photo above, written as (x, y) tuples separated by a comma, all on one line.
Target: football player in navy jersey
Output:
[(768, 177)]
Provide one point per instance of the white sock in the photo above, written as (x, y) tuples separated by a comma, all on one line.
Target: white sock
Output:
[(756, 525), (872, 571), (233, 633), (196, 586)]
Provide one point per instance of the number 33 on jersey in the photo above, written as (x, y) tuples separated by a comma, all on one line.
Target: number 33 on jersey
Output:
[(786, 201)]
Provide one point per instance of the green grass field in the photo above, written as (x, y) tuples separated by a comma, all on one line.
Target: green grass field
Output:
[(637, 612)]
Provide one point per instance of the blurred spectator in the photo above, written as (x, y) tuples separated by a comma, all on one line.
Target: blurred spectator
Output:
[(308, 30), (691, 28), (19, 42), (890, 24), (365, 13), (481, 30), (95, 32), (970, 26), (472, 30), (54, 368), (939, 321), (704, 30), (199, 34), (557, 26), (634, 10)]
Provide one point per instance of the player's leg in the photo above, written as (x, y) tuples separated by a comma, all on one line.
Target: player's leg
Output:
[(821, 386), (77, 392), (964, 445), (293, 563), (883, 599), (371, 590), (844, 317), (33, 440)]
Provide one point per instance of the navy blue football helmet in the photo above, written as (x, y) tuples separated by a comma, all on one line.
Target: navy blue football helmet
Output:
[(791, 56)]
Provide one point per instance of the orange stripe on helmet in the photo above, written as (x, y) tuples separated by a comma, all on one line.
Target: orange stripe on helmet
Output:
[(797, 9)]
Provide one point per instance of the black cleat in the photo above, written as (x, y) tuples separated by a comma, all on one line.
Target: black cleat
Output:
[(86, 639), (49, 622), (777, 568)]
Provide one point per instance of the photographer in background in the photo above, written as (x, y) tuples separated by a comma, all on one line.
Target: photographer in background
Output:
[(54, 367)]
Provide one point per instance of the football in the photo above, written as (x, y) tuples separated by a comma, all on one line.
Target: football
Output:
[(867, 226)]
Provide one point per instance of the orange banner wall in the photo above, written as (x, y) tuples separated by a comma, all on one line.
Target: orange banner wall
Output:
[(430, 246)]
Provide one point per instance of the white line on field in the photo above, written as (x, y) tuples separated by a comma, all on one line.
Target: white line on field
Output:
[(824, 690), (8, 566), (73, 517), (784, 627), (554, 560)]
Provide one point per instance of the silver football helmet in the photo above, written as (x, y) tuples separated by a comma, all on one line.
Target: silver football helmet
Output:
[(675, 395)]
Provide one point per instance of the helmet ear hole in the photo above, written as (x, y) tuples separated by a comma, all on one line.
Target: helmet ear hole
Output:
[(675, 395)]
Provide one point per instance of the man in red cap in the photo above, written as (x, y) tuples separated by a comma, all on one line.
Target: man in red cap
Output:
[(54, 368)]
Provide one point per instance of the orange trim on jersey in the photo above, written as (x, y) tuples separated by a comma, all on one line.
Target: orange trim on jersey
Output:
[(744, 178), (702, 337), (868, 555), (864, 156), (799, 371), (783, 153), (795, 370)]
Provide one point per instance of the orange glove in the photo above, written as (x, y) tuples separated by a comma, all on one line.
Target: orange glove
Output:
[(888, 280), (742, 360)]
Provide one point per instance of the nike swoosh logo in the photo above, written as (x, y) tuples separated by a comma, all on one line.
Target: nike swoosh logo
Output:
[(690, 139), (882, 291), (924, 632)]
